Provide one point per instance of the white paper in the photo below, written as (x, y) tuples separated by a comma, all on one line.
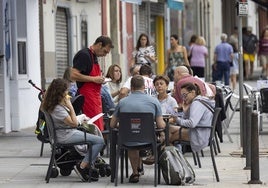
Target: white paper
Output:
[(107, 80), (95, 118)]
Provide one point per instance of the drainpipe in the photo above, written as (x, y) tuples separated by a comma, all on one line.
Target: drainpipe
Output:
[(41, 33)]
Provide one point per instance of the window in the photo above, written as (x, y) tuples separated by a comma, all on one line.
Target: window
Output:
[(84, 43), (22, 58)]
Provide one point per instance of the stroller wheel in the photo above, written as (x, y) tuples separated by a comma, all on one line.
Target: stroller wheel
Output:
[(65, 172), (108, 170), (54, 173)]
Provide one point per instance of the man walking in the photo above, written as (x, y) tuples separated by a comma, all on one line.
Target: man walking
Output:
[(250, 43), (223, 57)]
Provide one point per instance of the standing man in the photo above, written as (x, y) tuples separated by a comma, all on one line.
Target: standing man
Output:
[(223, 57), (250, 44), (86, 72)]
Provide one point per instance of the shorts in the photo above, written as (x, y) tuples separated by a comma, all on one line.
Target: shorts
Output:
[(250, 57), (233, 71), (264, 59)]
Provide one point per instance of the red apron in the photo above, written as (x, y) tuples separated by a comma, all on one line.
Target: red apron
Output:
[(92, 92)]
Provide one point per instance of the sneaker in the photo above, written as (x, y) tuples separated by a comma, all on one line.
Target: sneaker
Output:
[(81, 172)]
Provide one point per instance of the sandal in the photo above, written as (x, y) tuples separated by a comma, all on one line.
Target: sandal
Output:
[(134, 178)]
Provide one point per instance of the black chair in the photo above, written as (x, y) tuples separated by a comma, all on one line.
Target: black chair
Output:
[(212, 140), (136, 131), (62, 159), (78, 102)]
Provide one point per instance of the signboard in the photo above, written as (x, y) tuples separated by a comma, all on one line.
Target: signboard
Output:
[(242, 9)]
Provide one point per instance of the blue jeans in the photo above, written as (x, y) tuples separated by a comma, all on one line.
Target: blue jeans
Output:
[(96, 141), (223, 70)]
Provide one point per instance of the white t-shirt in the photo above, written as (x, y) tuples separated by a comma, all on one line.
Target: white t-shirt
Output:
[(148, 82), (139, 55)]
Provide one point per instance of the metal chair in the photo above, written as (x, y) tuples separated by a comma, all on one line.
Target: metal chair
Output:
[(212, 142), (55, 146), (136, 131)]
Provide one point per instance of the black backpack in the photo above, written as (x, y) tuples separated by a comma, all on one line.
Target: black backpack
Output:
[(41, 128)]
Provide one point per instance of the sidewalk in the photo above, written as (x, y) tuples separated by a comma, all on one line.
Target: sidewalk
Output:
[(21, 166)]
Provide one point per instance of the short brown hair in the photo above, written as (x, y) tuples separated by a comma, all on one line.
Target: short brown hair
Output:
[(137, 82), (161, 77)]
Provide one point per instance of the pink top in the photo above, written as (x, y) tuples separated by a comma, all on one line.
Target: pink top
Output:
[(199, 53)]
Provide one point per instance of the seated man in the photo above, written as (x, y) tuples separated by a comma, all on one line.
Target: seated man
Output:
[(146, 72), (182, 76), (138, 101)]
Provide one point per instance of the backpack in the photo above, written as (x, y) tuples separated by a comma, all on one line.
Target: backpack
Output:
[(176, 170), (41, 128)]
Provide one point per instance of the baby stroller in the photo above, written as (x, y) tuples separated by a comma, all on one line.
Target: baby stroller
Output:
[(67, 157)]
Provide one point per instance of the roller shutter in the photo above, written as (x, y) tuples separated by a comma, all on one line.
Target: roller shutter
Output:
[(61, 41)]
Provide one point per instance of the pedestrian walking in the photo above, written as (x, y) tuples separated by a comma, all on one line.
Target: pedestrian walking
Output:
[(263, 53), (223, 57), (199, 53), (250, 44), (176, 56)]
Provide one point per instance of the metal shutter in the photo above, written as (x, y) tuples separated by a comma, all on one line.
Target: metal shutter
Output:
[(61, 41)]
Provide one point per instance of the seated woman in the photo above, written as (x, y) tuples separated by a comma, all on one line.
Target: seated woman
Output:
[(57, 103), (195, 114)]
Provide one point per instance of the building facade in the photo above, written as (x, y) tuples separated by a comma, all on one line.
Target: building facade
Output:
[(40, 38)]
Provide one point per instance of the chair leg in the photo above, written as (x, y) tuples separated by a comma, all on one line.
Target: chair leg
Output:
[(214, 147), (42, 148), (194, 158), (217, 143), (202, 153), (126, 163), (51, 164), (89, 146), (118, 153), (214, 163), (198, 160), (155, 166), (122, 154)]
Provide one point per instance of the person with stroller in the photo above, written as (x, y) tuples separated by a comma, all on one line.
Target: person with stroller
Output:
[(57, 103)]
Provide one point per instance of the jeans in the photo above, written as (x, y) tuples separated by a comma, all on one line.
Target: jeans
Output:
[(96, 141), (223, 69)]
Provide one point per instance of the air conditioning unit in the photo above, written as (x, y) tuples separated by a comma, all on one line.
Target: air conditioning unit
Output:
[(82, 1)]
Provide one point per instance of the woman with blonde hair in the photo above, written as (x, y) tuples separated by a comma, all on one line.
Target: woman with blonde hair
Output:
[(199, 53)]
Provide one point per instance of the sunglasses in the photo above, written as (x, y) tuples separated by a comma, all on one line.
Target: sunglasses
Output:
[(184, 95)]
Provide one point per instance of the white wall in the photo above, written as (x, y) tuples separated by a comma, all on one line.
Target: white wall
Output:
[(24, 103), (217, 23), (27, 96)]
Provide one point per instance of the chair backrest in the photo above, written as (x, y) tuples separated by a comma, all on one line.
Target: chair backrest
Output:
[(50, 128), (78, 102), (264, 100), (136, 127), (216, 113)]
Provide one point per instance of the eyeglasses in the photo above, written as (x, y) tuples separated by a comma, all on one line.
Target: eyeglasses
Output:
[(184, 95)]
